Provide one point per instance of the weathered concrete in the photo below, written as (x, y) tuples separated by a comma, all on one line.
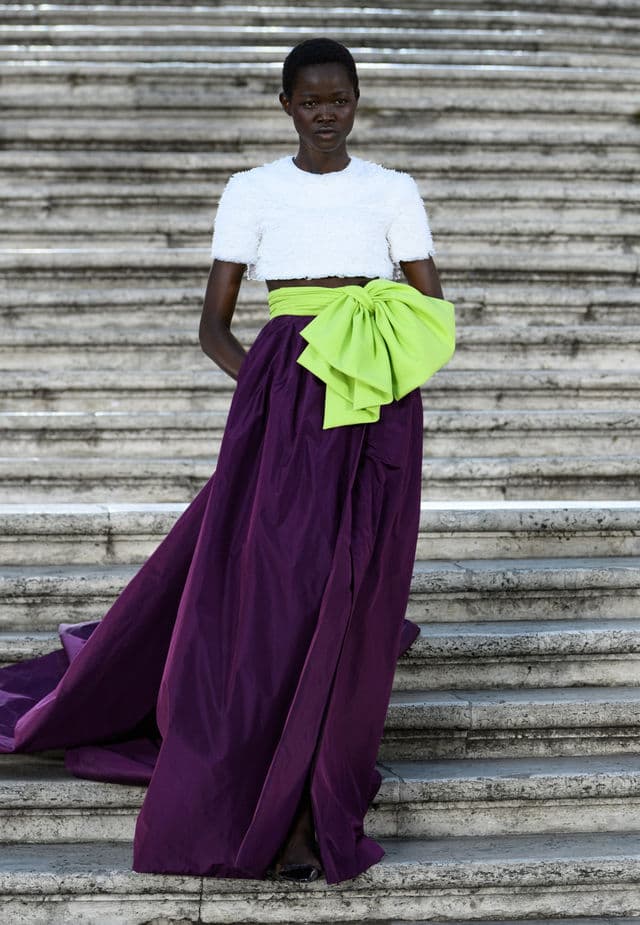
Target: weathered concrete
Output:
[(127, 532), (541, 653), (578, 592), (41, 803), (434, 879), (536, 722)]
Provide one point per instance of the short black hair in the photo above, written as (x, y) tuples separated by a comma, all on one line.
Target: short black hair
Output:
[(317, 51)]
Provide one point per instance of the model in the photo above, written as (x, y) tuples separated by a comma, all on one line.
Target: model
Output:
[(245, 671)]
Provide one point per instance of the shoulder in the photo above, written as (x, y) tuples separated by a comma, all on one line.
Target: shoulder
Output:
[(391, 180), (254, 177)]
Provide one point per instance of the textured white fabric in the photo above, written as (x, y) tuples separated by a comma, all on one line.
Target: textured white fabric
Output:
[(288, 223)]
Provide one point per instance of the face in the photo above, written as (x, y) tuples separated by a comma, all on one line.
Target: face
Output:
[(322, 106)]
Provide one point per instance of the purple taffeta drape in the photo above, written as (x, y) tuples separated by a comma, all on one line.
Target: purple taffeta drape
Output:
[(255, 649)]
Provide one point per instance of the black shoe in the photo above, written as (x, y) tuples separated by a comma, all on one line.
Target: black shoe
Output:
[(300, 873)]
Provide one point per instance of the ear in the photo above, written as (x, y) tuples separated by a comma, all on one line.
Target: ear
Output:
[(285, 102)]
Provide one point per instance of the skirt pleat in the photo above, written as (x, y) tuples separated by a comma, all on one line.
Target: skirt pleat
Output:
[(254, 651)]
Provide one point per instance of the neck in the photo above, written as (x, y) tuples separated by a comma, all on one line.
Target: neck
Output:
[(319, 162)]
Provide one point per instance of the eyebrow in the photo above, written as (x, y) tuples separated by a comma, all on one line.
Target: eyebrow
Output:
[(311, 92)]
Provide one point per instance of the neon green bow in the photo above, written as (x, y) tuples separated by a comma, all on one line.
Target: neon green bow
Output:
[(370, 344)]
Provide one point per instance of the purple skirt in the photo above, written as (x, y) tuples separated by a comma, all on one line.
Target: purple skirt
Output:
[(254, 651)]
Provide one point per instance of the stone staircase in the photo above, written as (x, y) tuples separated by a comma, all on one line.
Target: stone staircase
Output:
[(511, 752)]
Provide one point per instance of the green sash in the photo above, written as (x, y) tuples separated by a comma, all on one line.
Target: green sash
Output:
[(370, 344)]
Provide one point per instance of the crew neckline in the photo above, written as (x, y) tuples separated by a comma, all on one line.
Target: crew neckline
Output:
[(330, 173)]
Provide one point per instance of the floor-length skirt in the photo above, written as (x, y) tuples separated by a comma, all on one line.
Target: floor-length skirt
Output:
[(253, 653)]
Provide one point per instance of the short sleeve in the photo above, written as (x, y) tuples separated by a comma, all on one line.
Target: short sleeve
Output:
[(236, 228), (409, 234)]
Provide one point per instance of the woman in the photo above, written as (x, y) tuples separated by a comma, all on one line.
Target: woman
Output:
[(245, 671)]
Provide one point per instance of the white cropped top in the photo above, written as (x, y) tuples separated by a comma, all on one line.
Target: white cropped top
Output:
[(287, 223)]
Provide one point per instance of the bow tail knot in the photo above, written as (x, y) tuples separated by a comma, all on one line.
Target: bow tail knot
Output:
[(348, 398)]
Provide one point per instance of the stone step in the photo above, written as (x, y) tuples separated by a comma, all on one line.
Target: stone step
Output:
[(120, 533), (206, 14), (34, 298), (187, 131), (140, 165), (71, 200), (128, 82), (573, 85), (500, 655), (42, 803), (173, 265), (158, 214), (451, 244), (248, 37), (438, 879), (539, 653), (130, 76), (203, 55), (37, 598), (591, 227), (494, 302), (47, 477), (498, 589), (166, 198), (507, 347), (197, 434), (585, 69), (210, 389), (615, 9), (539, 477), (518, 723)]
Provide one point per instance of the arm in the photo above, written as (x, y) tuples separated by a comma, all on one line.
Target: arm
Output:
[(423, 276), (220, 298)]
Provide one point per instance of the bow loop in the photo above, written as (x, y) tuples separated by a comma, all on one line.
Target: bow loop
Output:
[(369, 344)]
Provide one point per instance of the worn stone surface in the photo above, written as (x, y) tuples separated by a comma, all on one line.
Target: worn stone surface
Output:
[(40, 802), (179, 476), (128, 532), (515, 434), (38, 597), (487, 655), (534, 722), (428, 879)]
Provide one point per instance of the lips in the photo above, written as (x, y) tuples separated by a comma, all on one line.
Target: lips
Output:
[(326, 131)]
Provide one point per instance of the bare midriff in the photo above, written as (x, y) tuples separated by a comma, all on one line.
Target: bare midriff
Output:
[(331, 281)]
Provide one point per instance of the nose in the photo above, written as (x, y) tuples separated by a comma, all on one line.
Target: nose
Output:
[(325, 112)]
